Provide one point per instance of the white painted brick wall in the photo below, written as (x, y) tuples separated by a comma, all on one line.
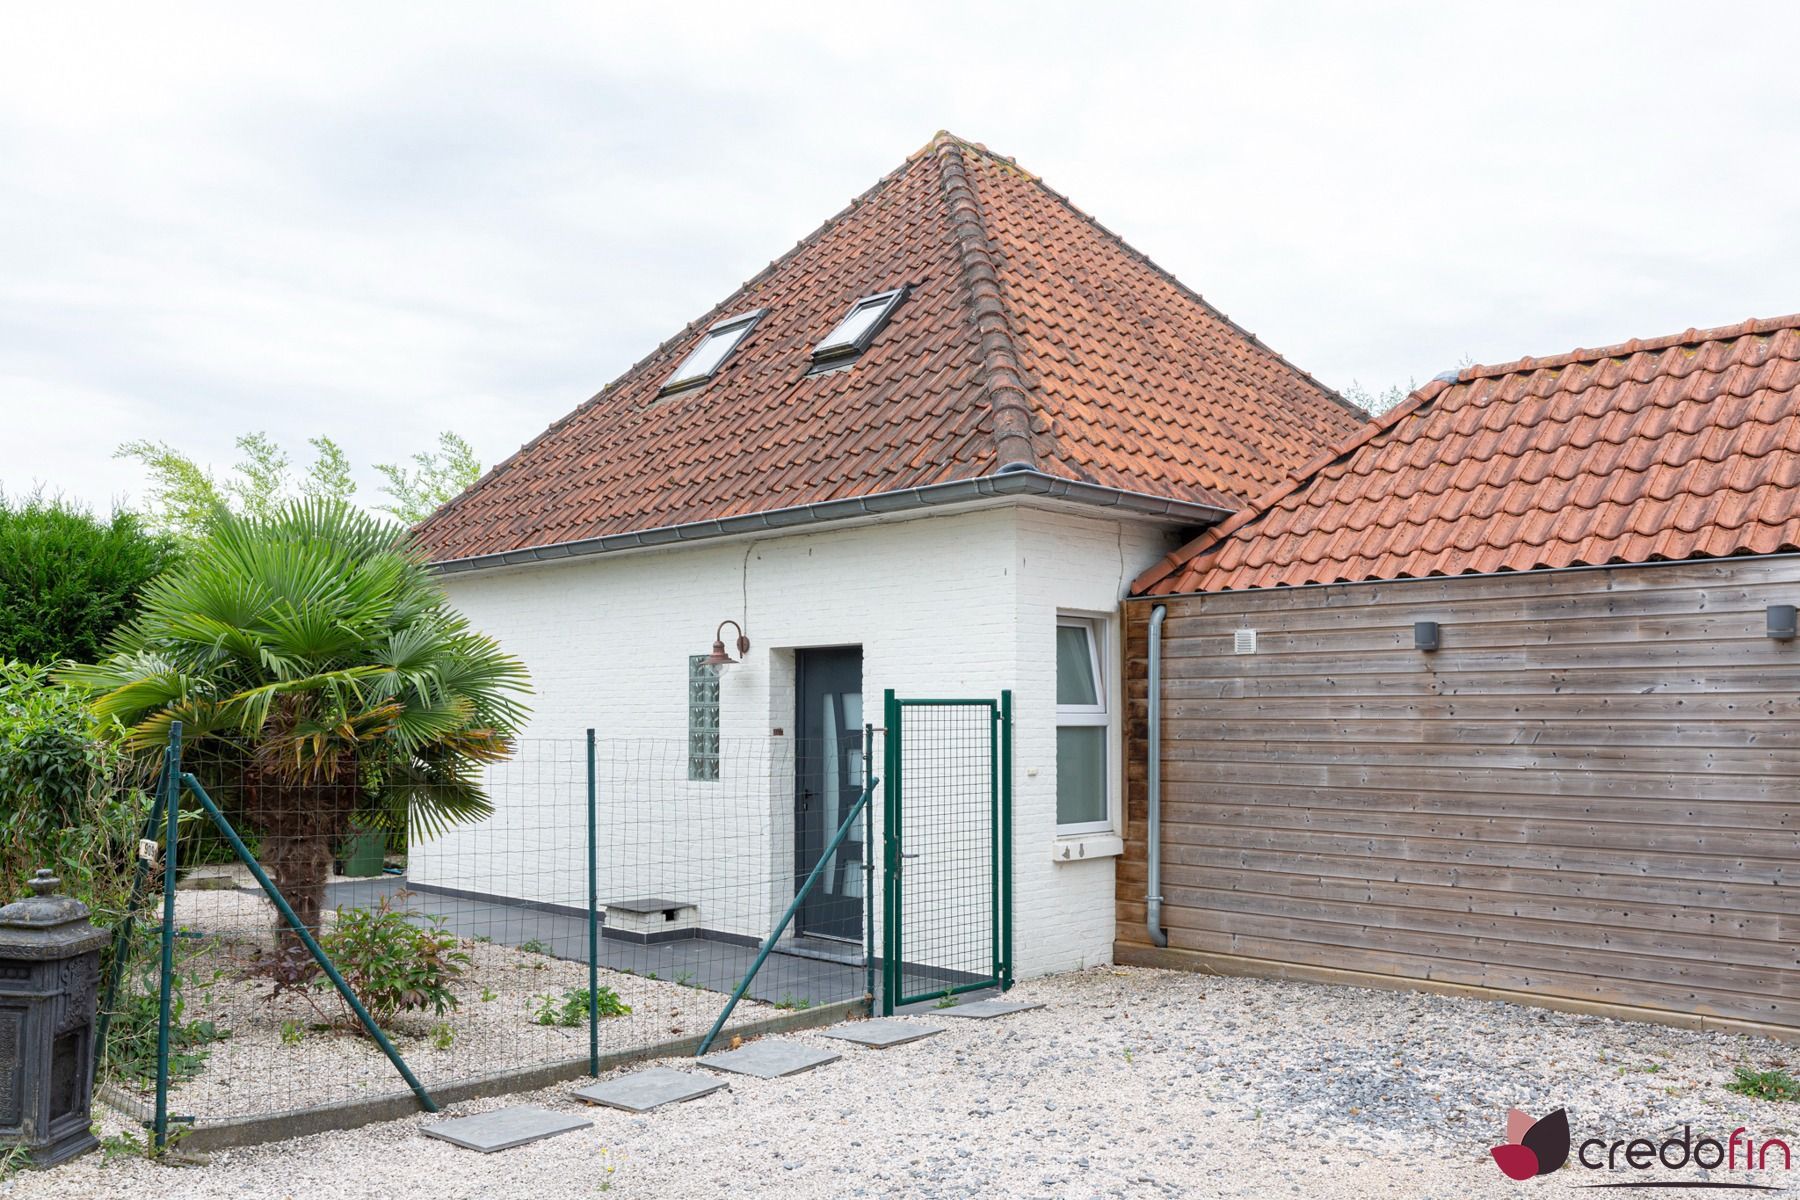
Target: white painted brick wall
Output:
[(942, 605)]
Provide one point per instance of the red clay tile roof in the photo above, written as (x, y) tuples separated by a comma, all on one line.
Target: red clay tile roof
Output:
[(1031, 338), (1682, 447)]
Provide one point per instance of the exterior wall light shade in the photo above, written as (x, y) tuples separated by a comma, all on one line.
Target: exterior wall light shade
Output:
[(1781, 622), (1425, 635), (719, 660)]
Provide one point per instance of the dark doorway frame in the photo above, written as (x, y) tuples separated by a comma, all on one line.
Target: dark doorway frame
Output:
[(828, 775)]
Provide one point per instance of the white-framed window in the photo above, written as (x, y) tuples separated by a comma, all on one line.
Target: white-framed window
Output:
[(1083, 728)]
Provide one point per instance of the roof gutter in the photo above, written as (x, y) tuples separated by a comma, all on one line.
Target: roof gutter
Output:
[(1008, 483)]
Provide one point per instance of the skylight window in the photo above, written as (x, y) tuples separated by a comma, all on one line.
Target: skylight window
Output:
[(714, 348), (854, 333)]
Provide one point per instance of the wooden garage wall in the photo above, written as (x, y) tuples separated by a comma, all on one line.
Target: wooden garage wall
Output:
[(1590, 794)]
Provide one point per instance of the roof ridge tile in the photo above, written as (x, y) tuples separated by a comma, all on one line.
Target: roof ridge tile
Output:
[(1002, 379)]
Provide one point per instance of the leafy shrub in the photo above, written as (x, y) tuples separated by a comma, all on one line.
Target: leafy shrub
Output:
[(68, 579), (571, 1008), (1773, 1084), (67, 798), (394, 963)]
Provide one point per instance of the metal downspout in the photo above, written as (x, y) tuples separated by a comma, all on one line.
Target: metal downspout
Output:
[(1153, 899)]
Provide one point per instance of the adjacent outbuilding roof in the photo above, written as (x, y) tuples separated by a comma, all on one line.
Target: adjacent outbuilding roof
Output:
[(1028, 340), (1681, 447)]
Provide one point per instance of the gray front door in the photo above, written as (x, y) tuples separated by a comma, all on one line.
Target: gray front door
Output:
[(828, 773)]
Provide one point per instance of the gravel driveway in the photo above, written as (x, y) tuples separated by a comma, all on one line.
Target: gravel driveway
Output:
[(1130, 1083)]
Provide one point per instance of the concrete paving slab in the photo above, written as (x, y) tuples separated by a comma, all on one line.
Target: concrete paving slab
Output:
[(985, 1010), (504, 1128), (642, 1091), (769, 1058), (880, 1034)]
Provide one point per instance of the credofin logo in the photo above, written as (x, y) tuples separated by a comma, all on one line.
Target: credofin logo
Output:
[(1533, 1147)]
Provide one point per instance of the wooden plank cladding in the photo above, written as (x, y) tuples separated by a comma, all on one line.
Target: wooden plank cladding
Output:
[(1588, 797)]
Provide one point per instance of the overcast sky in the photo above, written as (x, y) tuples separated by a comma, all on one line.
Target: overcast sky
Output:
[(377, 222)]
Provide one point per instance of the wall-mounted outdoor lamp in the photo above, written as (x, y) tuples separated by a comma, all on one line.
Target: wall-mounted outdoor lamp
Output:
[(1780, 622), (1425, 635), (718, 660)]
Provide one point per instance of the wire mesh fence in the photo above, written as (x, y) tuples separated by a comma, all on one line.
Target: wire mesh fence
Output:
[(464, 927), (335, 936), (945, 808)]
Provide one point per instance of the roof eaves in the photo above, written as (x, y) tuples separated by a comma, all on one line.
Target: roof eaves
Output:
[(1018, 483)]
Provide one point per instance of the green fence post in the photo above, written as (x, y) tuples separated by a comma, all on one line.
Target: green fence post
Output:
[(1006, 840), (996, 718), (869, 866), (165, 995), (890, 855), (593, 915), (121, 946), (306, 938)]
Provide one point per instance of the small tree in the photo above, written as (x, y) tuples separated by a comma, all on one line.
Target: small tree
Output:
[(186, 499), (437, 478), (306, 647), (67, 578)]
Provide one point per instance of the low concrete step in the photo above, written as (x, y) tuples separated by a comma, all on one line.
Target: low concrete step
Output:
[(769, 1058), (882, 1033), (505, 1128), (642, 1091), (987, 1010)]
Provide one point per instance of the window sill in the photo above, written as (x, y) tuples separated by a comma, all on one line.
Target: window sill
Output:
[(1080, 847)]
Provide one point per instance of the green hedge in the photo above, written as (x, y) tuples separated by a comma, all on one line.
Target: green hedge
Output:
[(67, 578)]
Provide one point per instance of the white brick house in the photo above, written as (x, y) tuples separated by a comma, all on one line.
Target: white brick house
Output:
[(927, 450)]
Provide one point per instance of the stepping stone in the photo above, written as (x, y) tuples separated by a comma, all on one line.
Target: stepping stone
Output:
[(504, 1128), (984, 1010), (642, 1091), (881, 1034), (768, 1059)]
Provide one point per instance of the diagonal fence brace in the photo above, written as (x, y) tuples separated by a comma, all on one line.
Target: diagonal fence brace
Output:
[(312, 945), (768, 946)]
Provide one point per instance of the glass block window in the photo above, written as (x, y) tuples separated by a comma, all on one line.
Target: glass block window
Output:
[(703, 720)]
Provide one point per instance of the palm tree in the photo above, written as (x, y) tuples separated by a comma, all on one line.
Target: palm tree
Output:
[(313, 650)]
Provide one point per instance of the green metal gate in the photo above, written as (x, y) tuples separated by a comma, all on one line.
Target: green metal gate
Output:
[(947, 899)]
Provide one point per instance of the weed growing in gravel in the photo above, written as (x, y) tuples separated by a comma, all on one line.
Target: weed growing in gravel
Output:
[(123, 1145), (948, 1000), (489, 995), (609, 1163), (787, 1001), (292, 1032), (571, 1009), (685, 979), (1773, 1084), (17, 1158), (534, 947), (442, 1035)]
